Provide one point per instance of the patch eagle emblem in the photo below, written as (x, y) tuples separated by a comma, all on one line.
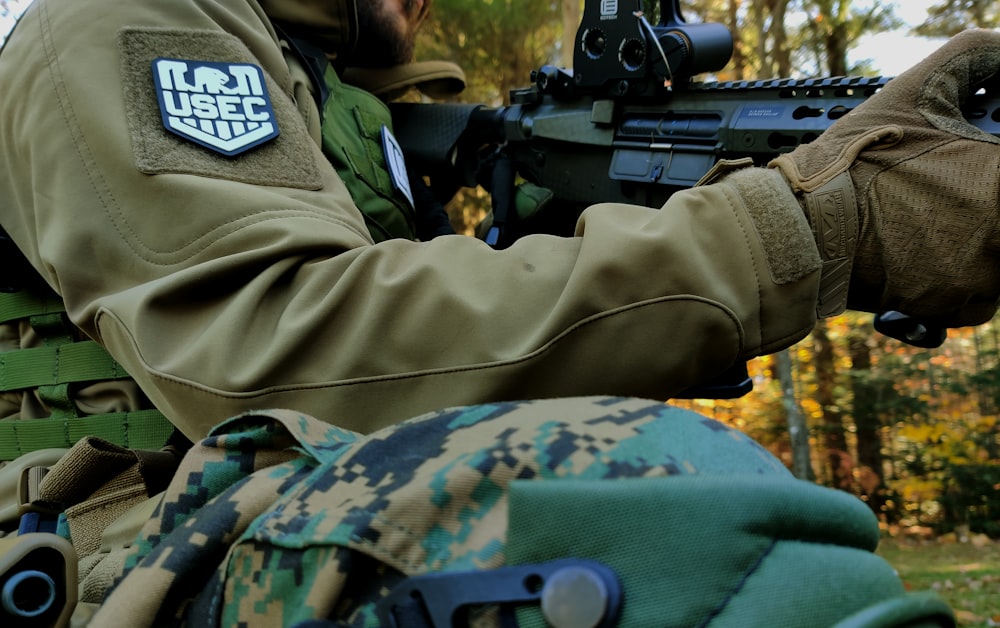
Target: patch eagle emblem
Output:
[(221, 106)]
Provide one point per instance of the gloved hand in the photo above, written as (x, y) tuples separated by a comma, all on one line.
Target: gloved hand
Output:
[(903, 194)]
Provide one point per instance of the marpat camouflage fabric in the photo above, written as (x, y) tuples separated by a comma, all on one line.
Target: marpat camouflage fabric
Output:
[(277, 517)]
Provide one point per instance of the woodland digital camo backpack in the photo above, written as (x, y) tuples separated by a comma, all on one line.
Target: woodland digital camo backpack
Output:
[(573, 512)]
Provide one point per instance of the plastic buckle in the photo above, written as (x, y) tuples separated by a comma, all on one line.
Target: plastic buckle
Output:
[(19, 485), (34, 517), (29, 487), (571, 592)]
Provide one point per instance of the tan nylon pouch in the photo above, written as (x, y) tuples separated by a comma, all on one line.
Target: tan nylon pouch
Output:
[(97, 483)]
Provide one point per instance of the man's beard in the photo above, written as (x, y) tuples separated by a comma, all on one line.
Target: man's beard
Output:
[(381, 43)]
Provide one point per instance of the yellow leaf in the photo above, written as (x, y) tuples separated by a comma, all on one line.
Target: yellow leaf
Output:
[(967, 617)]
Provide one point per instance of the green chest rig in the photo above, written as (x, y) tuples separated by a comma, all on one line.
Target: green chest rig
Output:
[(63, 361), (356, 137)]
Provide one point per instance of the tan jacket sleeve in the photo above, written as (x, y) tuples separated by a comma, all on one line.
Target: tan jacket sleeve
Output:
[(228, 284)]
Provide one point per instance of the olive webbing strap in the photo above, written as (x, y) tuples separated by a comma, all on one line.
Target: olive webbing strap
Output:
[(25, 303), (50, 369), (81, 361), (140, 429)]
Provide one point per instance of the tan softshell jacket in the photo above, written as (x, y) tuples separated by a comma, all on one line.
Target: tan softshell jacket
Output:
[(227, 284)]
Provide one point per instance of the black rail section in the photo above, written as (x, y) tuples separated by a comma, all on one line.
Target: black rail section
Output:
[(589, 149)]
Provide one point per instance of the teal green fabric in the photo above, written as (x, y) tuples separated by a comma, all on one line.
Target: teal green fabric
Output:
[(712, 549), (353, 121), (915, 610)]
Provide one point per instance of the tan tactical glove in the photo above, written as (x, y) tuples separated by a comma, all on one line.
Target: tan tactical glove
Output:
[(906, 190)]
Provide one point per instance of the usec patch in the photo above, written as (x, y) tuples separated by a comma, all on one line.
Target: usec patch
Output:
[(222, 106)]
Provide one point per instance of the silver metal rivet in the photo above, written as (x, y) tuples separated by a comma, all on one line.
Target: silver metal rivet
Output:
[(574, 597)]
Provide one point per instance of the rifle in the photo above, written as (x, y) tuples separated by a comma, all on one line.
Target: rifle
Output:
[(628, 124)]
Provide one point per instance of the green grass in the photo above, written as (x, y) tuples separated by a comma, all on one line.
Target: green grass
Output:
[(967, 576)]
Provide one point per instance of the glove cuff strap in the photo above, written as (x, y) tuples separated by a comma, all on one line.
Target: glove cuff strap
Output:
[(722, 168), (832, 214)]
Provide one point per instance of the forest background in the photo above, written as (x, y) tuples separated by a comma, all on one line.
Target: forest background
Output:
[(914, 433)]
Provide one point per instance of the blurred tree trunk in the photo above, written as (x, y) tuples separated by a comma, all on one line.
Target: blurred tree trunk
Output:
[(767, 21), (571, 14), (838, 460), (982, 403), (739, 61), (798, 429), (829, 21), (833, 25), (867, 420)]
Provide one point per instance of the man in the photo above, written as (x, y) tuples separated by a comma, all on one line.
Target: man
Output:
[(163, 172), (225, 284)]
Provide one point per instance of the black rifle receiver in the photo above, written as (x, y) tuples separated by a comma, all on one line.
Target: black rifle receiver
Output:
[(627, 124)]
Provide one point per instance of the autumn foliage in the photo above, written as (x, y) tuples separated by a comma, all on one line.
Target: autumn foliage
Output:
[(914, 432)]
